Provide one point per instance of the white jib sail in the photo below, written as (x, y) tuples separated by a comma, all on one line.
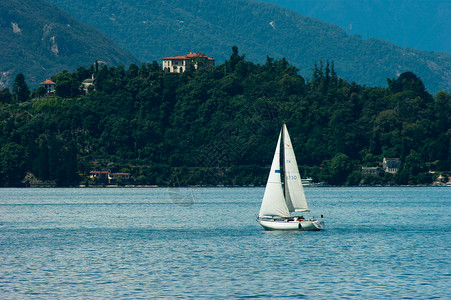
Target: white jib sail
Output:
[(294, 191), (273, 203)]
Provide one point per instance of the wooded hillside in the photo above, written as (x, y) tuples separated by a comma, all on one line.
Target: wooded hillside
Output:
[(220, 126), (39, 39)]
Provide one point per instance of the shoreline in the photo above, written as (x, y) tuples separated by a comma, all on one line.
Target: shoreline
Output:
[(53, 185)]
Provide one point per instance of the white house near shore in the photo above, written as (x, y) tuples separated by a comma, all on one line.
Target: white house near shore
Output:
[(179, 64), (391, 165), (107, 176)]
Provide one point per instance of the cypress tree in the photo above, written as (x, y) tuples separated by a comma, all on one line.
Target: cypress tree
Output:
[(21, 92)]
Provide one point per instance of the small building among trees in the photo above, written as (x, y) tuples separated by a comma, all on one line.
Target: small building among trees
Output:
[(391, 165), (49, 86), (99, 175), (109, 177), (87, 83), (370, 170)]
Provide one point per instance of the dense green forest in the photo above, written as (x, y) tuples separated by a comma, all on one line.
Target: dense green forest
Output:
[(219, 127)]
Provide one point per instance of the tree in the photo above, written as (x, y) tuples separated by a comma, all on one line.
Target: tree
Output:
[(5, 96), (66, 85), (407, 81), (39, 92), (235, 58), (340, 169), (12, 163), (386, 133), (414, 163), (354, 178), (21, 92)]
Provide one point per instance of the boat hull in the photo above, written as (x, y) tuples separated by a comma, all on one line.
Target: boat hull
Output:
[(308, 225)]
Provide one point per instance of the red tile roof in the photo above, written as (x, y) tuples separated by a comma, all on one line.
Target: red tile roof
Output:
[(189, 55), (48, 82)]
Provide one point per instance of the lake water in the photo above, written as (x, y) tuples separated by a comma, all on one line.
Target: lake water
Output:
[(204, 243)]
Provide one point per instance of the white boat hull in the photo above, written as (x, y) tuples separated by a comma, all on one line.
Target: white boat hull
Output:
[(307, 225)]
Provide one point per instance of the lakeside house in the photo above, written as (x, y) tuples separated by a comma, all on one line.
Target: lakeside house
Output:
[(179, 64), (99, 175), (109, 177), (389, 165), (115, 176), (370, 170)]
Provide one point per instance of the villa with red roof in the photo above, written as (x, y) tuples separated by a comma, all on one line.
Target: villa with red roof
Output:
[(179, 64)]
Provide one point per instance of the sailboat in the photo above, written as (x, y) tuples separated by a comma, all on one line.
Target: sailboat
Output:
[(281, 201)]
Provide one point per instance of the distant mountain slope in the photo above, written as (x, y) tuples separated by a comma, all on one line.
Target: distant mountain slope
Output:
[(419, 24), (155, 29), (39, 40)]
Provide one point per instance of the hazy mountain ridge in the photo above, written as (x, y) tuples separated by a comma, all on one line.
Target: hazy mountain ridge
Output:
[(420, 24), (171, 27), (39, 40)]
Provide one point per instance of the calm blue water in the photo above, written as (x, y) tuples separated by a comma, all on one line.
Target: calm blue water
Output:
[(135, 243)]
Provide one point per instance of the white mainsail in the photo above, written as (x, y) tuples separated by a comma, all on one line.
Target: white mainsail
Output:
[(294, 191), (273, 203)]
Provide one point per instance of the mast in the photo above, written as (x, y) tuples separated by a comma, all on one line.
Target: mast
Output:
[(282, 162)]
